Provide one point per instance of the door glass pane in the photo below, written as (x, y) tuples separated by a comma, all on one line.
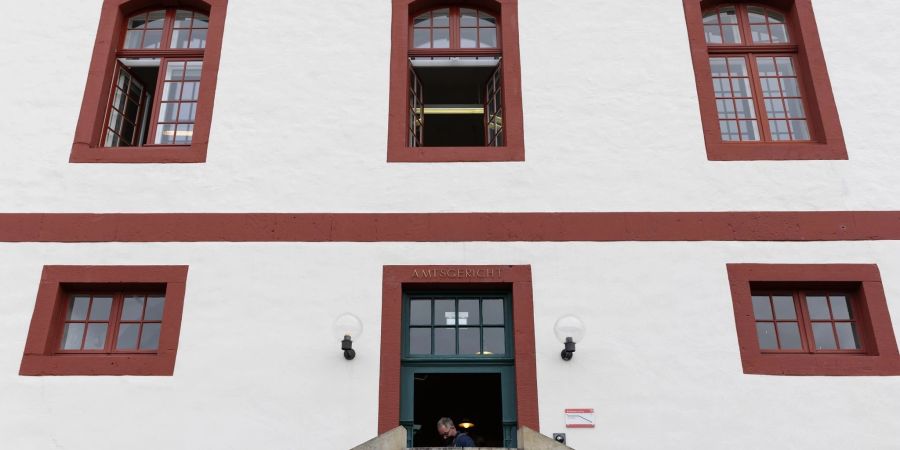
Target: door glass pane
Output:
[(420, 312), (824, 336), (78, 307), (789, 336), (96, 336), (419, 341), (128, 334), (469, 341), (72, 334), (494, 341), (150, 336), (818, 307), (765, 333), (847, 335), (784, 307), (492, 311), (133, 308), (445, 341), (468, 312), (445, 312), (100, 308)]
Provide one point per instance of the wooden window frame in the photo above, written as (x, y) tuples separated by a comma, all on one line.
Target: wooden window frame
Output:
[(827, 139), (42, 355), (514, 279), (879, 355), (506, 12), (87, 147)]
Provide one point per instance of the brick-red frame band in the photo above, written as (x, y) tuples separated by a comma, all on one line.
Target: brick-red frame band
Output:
[(452, 227)]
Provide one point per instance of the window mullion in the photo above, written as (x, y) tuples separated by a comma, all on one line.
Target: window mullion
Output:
[(115, 312), (153, 123), (758, 101), (806, 328)]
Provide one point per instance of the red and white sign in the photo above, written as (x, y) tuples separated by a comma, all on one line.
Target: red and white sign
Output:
[(580, 418)]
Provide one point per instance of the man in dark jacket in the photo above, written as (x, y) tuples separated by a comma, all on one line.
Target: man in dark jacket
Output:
[(448, 431)]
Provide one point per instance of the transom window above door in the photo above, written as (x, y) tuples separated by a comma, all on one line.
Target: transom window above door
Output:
[(469, 326)]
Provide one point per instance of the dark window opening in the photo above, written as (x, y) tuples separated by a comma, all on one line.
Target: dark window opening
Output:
[(475, 397)]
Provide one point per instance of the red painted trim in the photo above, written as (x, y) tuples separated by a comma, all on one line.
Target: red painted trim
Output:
[(881, 357), (518, 277), (41, 358), (86, 148), (514, 150), (452, 227), (825, 125)]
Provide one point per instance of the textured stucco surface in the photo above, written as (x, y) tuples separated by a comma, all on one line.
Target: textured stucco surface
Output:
[(611, 118), (258, 367)]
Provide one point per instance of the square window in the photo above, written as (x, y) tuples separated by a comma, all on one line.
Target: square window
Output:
[(812, 319), (105, 320)]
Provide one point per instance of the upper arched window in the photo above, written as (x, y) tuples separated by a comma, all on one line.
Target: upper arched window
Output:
[(738, 24), (454, 28), (155, 84)]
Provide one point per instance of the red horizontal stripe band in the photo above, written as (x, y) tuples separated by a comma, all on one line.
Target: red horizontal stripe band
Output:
[(452, 227)]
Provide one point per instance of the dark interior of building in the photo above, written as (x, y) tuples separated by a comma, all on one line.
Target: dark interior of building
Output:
[(472, 396), (462, 87)]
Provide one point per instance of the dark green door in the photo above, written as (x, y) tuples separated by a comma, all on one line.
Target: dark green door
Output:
[(458, 362)]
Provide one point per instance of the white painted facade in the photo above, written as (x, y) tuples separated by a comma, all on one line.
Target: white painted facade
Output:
[(300, 125)]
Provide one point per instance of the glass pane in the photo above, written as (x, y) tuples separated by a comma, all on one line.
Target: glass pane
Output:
[(722, 87), (198, 39), (133, 308), (762, 310), (731, 34), (420, 341), (726, 109), (96, 336), (760, 33), (128, 334), (168, 112), (137, 21), (741, 87), (770, 87), (486, 20), (445, 312), (790, 87), (847, 336), (744, 109), (776, 17), (799, 130), (187, 112), (444, 341), (133, 39), (165, 134), (785, 67), (180, 38), (468, 312), (201, 21), (749, 130), (775, 109), (756, 14), (422, 38), (441, 38), (492, 311), (779, 129), (794, 107), (441, 17), (817, 307), (728, 15), (150, 336), (789, 336), (469, 341), (765, 333), (779, 34), (100, 308), (184, 134), (155, 307), (193, 70), (78, 307), (494, 341), (737, 67), (713, 34), (183, 18), (729, 130), (156, 19), (468, 37), (72, 334), (175, 71), (152, 39), (191, 91), (422, 20), (467, 17), (488, 38), (420, 312), (824, 336), (710, 17), (766, 67), (718, 67)]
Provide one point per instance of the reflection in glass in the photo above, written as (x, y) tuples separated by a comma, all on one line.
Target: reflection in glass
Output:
[(468, 309), (128, 335), (789, 336), (150, 336), (468, 37), (96, 336), (444, 341), (444, 312), (784, 307), (824, 336), (441, 38), (154, 308), (488, 38), (100, 308), (72, 335), (847, 337), (78, 307), (133, 308), (817, 307), (419, 341)]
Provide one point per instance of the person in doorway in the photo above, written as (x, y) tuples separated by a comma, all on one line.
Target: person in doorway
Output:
[(448, 431)]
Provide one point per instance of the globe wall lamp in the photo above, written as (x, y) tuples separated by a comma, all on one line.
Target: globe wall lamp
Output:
[(569, 330), (346, 328)]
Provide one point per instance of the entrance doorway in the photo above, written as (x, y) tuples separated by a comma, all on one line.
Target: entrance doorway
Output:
[(467, 398)]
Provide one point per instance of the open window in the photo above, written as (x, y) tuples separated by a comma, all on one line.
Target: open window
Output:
[(460, 83), (151, 100)]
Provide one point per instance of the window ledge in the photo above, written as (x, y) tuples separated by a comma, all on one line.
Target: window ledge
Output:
[(159, 364), (775, 151), (194, 153), (456, 154), (822, 365)]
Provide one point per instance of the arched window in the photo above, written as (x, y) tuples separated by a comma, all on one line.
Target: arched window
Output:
[(755, 77), (460, 95), (151, 100), (761, 100)]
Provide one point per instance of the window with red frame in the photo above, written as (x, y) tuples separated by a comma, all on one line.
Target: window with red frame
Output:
[(753, 60), (807, 321), (156, 84), (455, 94), (111, 322)]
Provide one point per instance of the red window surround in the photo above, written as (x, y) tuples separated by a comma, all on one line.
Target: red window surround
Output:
[(90, 132), (399, 149), (805, 348), (46, 354), (804, 51), (394, 280)]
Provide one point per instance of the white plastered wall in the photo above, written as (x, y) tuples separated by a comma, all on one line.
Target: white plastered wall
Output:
[(257, 366), (611, 118)]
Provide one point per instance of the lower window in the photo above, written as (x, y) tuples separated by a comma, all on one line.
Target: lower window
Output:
[(813, 319), (105, 320)]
